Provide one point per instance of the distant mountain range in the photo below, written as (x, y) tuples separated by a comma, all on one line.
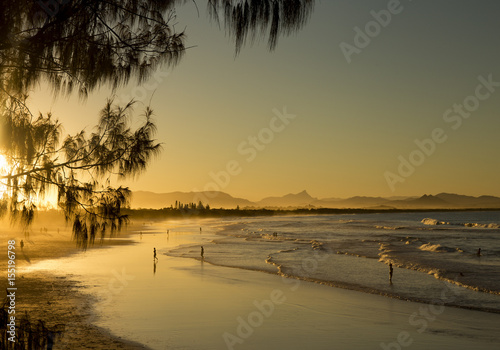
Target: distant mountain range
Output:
[(152, 200)]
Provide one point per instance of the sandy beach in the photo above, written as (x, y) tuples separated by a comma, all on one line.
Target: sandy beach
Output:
[(56, 300), (117, 295)]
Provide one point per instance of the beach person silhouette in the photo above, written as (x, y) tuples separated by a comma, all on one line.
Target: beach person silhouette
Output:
[(22, 244), (202, 253), (391, 270), (154, 254), (478, 251)]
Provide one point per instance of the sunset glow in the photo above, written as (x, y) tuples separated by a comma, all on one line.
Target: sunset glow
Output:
[(355, 123)]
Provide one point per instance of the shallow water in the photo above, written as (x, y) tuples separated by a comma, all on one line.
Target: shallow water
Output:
[(353, 252)]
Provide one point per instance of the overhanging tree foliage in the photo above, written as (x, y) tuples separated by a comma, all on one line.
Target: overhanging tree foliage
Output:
[(86, 43), (81, 45), (79, 166)]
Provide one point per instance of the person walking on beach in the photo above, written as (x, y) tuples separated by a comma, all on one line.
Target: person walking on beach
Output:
[(391, 270), (154, 254), (478, 251), (202, 253), (22, 244)]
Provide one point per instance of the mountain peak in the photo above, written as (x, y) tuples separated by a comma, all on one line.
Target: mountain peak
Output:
[(290, 200), (303, 194)]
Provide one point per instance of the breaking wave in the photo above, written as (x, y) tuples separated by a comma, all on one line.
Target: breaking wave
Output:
[(434, 222), (438, 248), (428, 221)]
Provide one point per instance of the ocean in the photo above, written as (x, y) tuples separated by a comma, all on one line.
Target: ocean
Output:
[(428, 250)]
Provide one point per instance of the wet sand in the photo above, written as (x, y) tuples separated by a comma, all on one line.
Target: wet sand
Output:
[(57, 301)]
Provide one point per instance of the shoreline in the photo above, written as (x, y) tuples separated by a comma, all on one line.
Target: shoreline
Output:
[(193, 305), (177, 280), (227, 235), (350, 287), (55, 300)]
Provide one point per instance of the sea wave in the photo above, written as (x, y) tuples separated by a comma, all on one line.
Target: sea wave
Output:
[(438, 248), (475, 224), (429, 221), (434, 222), (390, 227)]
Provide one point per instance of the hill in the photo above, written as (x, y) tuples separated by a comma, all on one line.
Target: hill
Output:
[(152, 200)]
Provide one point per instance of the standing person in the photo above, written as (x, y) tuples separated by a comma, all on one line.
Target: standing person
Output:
[(22, 244), (478, 251), (391, 270), (202, 253), (154, 254)]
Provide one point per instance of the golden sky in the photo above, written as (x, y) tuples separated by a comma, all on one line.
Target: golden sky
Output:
[(376, 98)]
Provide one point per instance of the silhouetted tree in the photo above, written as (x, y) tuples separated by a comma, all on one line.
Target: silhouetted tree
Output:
[(244, 19), (81, 45), (78, 167)]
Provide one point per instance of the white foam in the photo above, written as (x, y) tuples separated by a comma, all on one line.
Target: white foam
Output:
[(428, 247), (429, 221), (434, 222), (475, 224)]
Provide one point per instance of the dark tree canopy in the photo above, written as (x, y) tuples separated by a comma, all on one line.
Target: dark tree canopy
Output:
[(82, 44), (261, 17)]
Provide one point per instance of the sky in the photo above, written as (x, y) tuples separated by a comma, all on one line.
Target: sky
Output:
[(370, 98)]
